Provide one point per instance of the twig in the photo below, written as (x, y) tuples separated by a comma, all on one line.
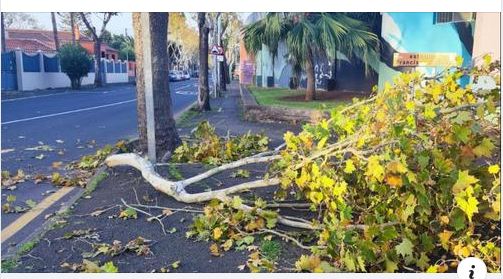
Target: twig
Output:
[(170, 208), (289, 238), (146, 213)]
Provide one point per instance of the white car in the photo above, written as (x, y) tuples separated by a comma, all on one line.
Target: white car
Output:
[(185, 75)]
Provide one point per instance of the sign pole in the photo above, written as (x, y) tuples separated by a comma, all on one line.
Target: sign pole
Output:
[(149, 92)]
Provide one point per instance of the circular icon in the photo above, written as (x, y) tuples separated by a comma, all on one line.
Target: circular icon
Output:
[(472, 268)]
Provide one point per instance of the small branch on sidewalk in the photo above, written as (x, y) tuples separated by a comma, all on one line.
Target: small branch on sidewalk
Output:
[(146, 213)]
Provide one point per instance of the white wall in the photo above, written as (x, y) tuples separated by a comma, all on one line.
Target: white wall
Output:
[(45, 80), (117, 77), (34, 81)]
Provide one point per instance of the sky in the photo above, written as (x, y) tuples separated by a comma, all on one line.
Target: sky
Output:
[(117, 25)]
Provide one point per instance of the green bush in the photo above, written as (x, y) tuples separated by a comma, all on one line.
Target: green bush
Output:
[(75, 63)]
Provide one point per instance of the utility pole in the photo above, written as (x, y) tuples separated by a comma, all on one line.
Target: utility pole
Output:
[(149, 94), (216, 41)]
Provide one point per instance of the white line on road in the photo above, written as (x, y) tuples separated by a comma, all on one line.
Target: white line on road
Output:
[(68, 112)]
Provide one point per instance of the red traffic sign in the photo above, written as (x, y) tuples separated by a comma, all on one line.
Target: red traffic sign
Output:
[(217, 50)]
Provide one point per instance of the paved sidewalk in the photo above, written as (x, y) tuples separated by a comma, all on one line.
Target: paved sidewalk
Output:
[(53, 249)]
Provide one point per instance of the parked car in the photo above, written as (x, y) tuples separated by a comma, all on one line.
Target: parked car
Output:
[(172, 76), (186, 75)]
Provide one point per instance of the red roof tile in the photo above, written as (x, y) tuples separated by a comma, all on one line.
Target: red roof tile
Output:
[(28, 45)]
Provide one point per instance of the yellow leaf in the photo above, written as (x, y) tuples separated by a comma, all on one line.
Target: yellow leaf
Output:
[(374, 168), (410, 105), (396, 167), (217, 233), (494, 169), (468, 205), (394, 180), (444, 219), (214, 250), (316, 197), (350, 167), (464, 180), (444, 239), (432, 269)]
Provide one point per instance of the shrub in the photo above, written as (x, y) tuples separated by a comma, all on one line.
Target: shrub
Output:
[(75, 63)]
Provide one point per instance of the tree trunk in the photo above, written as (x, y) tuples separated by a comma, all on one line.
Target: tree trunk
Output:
[(140, 84), (97, 63), (3, 33), (55, 31), (223, 79), (72, 23), (166, 135), (203, 100), (311, 79)]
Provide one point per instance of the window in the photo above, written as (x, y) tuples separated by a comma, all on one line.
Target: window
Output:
[(453, 17)]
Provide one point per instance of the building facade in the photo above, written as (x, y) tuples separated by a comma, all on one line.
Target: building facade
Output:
[(468, 35)]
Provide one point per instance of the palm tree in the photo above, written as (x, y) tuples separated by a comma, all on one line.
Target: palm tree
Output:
[(310, 34)]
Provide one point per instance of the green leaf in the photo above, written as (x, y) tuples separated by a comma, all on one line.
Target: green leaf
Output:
[(457, 219), (236, 202), (109, 267), (31, 203), (464, 180), (423, 261), (462, 133), (405, 248), (391, 266), (462, 117), (484, 149)]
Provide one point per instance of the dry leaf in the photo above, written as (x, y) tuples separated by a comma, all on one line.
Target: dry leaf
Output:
[(214, 250)]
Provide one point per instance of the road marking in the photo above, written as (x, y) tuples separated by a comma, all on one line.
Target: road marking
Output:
[(68, 112), (26, 218), (47, 95)]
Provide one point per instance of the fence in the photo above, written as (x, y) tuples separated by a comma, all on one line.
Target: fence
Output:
[(22, 71)]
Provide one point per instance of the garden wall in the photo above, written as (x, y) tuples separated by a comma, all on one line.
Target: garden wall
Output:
[(36, 71)]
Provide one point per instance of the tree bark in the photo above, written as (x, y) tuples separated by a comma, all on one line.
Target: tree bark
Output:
[(3, 33), (97, 44), (140, 84), (72, 23), (55, 30), (97, 63), (311, 86), (166, 135), (203, 100)]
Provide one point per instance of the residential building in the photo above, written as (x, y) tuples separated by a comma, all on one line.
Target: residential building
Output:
[(439, 37), (43, 40)]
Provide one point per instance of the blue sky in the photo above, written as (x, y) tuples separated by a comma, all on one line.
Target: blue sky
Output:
[(117, 24)]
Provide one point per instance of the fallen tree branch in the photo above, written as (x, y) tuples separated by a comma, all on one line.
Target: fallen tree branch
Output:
[(172, 189)]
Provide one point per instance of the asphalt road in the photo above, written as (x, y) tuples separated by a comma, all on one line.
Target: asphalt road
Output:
[(72, 123)]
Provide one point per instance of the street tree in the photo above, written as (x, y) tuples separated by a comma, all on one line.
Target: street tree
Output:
[(72, 22), (74, 62), (3, 32), (203, 99), (98, 38), (166, 135), (183, 41), (55, 30), (308, 35), (20, 21)]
